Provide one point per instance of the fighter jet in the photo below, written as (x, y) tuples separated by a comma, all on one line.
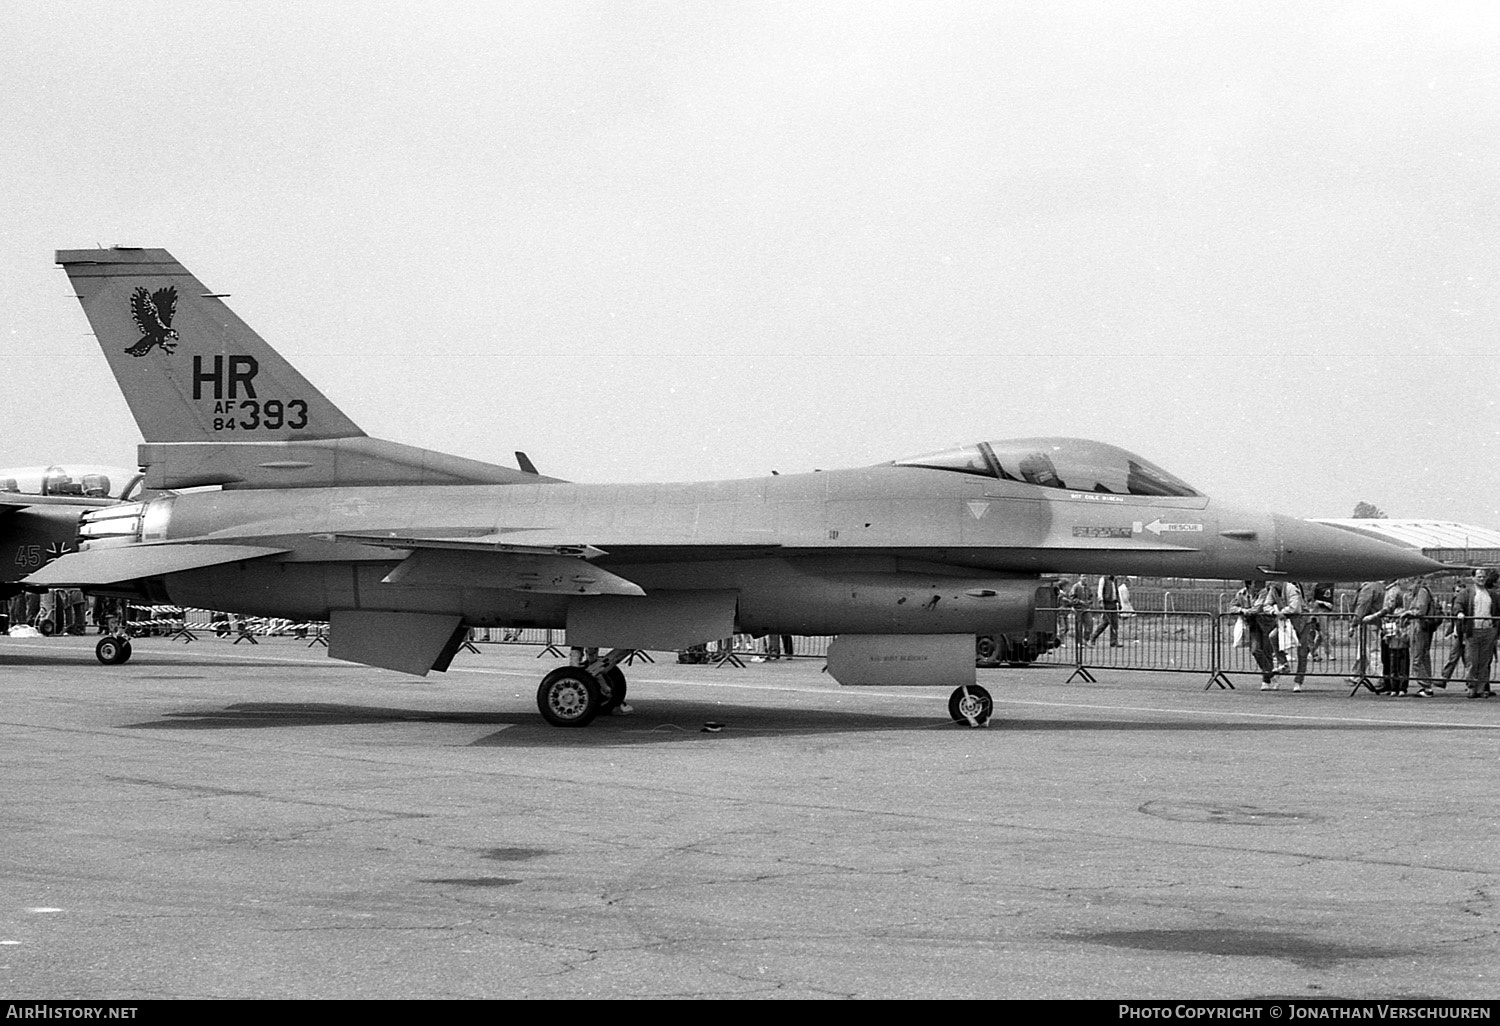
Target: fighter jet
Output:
[(39, 511), (402, 550)]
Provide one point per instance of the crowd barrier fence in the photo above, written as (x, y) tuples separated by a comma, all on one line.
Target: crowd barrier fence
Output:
[(1336, 646), (1163, 641)]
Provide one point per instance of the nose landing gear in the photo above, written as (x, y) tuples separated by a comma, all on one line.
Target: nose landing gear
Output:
[(971, 704), (112, 650)]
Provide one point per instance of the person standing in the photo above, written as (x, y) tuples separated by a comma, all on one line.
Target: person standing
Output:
[(1319, 609), (1479, 606), (1394, 665), (1060, 604), (1365, 602), (1293, 613), (1422, 617), (1261, 625), (1243, 606), (1078, 601), (1109, 602), (1282, 641), (1457, 632)]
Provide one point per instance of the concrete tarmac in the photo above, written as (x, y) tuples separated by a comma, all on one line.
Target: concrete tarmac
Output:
[(219, 821)]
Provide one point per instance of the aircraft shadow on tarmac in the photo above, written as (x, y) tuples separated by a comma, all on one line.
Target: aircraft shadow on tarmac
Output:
[(87, 660), (675, 721), (662, 721), (261, 715)]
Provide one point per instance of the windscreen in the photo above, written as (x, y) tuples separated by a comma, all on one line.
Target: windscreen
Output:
[(967, 460), (1072, 464)]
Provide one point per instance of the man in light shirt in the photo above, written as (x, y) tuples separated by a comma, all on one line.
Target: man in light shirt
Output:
[(1479, 605)]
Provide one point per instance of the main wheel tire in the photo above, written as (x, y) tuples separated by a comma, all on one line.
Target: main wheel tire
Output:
[(971, 704), (47, 628), (569, 697), (613, 682), (112, 651)]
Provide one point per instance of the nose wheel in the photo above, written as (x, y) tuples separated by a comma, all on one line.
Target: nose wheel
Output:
[(971, 704), (112, 650)]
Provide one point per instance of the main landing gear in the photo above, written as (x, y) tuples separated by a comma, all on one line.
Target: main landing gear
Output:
[(112, 650), (971, 704), (571, 696)]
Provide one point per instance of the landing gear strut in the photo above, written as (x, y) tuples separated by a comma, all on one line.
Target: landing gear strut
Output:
[(971, 704), (613, 681), (571, 696)]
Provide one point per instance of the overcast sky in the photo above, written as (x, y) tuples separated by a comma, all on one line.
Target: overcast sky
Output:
[(1258, 243)]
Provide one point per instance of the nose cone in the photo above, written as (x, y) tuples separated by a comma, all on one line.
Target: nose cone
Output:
[(1319, 552)]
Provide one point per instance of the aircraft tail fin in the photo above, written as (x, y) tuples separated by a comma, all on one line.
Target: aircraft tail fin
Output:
[(190, 369), (217, 404)]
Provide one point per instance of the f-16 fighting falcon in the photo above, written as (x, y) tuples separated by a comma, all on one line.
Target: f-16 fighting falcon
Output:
[(402, 550)]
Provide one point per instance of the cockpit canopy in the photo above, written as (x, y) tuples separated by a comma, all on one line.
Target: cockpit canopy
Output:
[(1075, 464), (83, 480)]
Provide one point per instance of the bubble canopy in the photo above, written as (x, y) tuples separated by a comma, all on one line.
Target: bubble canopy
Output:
[(1073, 464), (86, 480)]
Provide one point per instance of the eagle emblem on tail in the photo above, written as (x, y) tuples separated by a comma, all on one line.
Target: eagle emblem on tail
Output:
[(153, 316)]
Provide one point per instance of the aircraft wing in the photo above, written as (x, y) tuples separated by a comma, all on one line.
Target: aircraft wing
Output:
[(131, 562), (485, 563)]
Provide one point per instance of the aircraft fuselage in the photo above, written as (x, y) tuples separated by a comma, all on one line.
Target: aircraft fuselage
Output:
[(884, 549)]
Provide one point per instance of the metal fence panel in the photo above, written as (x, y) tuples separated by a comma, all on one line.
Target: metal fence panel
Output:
[(1176, 641), (1219, 644), (1335, 647)]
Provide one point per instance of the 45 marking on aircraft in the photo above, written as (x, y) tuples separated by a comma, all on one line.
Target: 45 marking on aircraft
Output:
[(32, 556)]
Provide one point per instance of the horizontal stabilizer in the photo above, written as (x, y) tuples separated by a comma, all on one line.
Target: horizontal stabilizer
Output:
[(12, 501), (547, 574), (133, 562)]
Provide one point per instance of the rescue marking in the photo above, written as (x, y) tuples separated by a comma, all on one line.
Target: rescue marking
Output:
[(1157, 526), (978, 509)]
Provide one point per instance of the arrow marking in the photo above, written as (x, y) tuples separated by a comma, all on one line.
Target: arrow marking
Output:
[(1157, 526)]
